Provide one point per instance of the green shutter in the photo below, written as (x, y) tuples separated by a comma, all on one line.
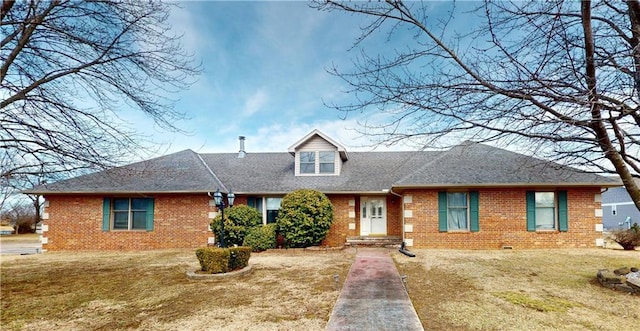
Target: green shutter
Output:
[(251, 202), (150, 214), (563, 218), (531, 210), (474, 211), (442, 211), (106, 214)]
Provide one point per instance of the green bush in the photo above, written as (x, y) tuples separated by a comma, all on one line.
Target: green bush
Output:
[(628, 239), (261, 238), (239, 257), (238, 221), (304, 218), (214, 260)]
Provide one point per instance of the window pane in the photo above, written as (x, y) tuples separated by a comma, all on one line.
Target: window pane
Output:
[(139, 220), (273, 203), (120, 204), (271, 216), (327, 157), (121, 220), (545, 218), (307, 168), (307, 157), (139, 204), (457, 219), (327, 168), (458, 199), (545, 199)]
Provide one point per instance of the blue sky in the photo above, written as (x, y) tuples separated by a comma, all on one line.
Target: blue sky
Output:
[(265, 75)]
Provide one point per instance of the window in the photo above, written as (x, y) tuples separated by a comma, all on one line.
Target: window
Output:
[(127, 214), (268, 207), (547, 211), (273, 206), (327, 162), (458, 211), (317, 162), (307, 162)]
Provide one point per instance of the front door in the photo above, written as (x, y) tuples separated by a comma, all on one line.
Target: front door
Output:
[(373, 216)]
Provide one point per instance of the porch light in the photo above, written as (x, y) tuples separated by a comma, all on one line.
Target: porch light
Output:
[(217, 198)]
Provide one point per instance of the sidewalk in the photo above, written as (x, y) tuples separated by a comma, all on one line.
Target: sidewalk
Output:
[(373, 297)]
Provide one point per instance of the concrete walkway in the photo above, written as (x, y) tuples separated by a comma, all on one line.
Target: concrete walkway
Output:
[(373, 297)]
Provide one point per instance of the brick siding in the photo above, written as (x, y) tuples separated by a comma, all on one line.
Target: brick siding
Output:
[(503, 222), (75, 223), (182, 220)]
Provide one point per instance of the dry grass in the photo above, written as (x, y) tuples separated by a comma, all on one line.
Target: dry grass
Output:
[(23, 238), (150, 291), (518, 290), (294, 290)]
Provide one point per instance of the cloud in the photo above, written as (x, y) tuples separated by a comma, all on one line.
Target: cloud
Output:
[(255, 102)]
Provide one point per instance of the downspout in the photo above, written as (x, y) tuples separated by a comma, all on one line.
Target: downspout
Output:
[(402, 204)]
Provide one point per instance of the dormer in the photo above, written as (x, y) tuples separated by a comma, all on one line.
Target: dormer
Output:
[(316, 154)]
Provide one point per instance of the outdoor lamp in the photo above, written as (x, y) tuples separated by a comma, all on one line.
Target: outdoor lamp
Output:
[(231, 197), (217, 198)]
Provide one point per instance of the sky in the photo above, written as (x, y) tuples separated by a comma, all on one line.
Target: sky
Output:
[(265, 76)]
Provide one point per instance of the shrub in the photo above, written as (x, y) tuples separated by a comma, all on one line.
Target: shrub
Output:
[(628, 239), (238, 220), (239, 257), (261, 238), (214, 260), (304, 218)]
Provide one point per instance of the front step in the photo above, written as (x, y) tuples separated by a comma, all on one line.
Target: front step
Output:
[(374, 241)]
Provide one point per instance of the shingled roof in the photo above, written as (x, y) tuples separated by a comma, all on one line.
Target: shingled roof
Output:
[(467, 165)]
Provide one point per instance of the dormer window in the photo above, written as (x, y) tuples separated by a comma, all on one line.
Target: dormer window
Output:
[(328, 162), (318, 155), (318, 162), (307, 162)]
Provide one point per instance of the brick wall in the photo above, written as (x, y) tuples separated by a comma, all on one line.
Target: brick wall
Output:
[(181, 221), (75, 223), (503, 222)]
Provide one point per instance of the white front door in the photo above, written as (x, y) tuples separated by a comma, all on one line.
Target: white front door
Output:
[(373, 216)]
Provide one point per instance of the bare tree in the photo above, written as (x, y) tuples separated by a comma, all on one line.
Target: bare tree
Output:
[(562, 76), (70, 69)]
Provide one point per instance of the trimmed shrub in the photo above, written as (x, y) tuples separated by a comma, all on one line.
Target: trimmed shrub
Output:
[(628, 239), (304, 218), (238, 220), (261, 238), (213, 260), (239, 257)]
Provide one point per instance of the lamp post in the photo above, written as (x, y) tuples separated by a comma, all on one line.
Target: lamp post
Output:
[(217, 197)]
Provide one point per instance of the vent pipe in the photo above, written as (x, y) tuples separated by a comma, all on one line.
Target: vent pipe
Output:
[(242, 152)]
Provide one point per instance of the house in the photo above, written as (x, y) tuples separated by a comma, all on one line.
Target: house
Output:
[(618, 210), (470, 196)]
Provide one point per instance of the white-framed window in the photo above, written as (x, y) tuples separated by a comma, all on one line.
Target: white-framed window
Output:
[(131, 213), (307, 162), (317, 162), (457, 211), (327, 162), (268, 206), (545, 210)]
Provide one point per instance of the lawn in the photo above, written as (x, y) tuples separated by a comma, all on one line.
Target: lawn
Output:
[(518, 290), (295, 290)]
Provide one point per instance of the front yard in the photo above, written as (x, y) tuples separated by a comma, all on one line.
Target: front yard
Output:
[(295, 290)]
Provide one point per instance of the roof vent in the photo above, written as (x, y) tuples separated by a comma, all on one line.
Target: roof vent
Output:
[(241, 153)]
